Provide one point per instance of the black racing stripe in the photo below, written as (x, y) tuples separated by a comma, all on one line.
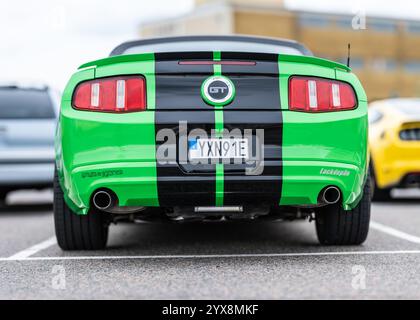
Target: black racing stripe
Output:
[(264, 63), (257, 87), (181, 92), (266, 187), (254, 93), (178, 87), (185, 184)]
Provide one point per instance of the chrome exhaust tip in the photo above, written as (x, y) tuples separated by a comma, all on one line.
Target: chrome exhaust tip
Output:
[(103, 200), (330, 195)]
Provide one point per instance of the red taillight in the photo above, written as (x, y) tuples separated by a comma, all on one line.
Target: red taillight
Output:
[(311, 94), (117, 94)]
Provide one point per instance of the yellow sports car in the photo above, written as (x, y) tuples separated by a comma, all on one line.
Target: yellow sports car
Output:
[(394, 143)]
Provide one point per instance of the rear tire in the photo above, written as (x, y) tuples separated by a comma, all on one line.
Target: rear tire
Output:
[(77, 232), (336, 226)]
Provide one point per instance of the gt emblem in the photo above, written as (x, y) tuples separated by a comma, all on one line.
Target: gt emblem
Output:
[(218, 90)]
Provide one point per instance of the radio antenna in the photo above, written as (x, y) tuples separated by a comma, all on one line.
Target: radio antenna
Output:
[(348, 55)]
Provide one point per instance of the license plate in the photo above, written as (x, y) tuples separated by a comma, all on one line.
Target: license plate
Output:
[(218, 149)]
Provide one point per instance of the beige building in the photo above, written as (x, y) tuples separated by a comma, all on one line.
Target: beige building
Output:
[(385, 52)]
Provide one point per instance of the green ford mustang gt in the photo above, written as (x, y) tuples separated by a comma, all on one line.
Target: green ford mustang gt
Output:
[(211, 128)]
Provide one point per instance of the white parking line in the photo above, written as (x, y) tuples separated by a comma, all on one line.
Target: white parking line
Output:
[(394, 232), (24, 254), (217, 256)]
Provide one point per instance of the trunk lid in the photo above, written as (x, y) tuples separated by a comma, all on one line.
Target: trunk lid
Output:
[(179, 78)]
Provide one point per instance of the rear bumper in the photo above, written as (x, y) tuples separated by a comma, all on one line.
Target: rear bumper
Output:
[(304, 153), (133, 188), (396, 161), (396, 173), (26, 174)]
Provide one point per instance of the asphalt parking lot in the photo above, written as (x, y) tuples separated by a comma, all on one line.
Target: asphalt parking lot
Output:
[(281, 260)]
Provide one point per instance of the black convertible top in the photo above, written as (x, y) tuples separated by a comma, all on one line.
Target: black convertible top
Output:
[(233, 40)]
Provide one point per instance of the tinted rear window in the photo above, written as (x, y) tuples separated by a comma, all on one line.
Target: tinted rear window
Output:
[(25, 104)]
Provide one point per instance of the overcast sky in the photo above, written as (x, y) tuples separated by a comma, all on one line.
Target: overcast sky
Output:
[(48, 39)]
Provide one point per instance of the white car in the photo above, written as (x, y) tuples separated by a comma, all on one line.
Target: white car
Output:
[(28, 116)]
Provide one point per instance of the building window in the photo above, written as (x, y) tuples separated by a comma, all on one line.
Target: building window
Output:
[(344, 22), (313, 20), (412, 66), (413, 27), (382, 25), (384, 65)]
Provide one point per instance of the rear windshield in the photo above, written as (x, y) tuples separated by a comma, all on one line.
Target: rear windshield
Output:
[(213, 45), (17, 103)]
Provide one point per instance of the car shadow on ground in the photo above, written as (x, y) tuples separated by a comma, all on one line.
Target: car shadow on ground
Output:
[(211, 238)]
